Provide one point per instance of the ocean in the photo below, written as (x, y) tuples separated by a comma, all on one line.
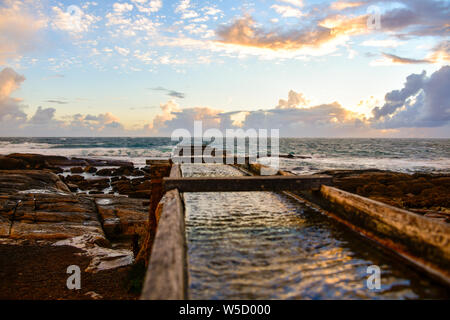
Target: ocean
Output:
[(402, 155)]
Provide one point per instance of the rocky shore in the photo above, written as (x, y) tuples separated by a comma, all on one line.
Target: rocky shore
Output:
[(423, 193), (56, 212)]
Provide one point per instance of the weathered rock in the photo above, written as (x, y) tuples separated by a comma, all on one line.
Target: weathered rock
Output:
[(105, 172), (38, 161), (140, 194), (146, 169), (39, 181), (56, 170), (41, 161), (12, 164), (94, 295), (50, 231), (74, 178), (437, 216), (136, 188), (48, 216), (138, 173), (123, 216), (146, 185), (5, 227), (102, 258), (72, 187), (79, 182), (95, 192), (98, 184), (123, 186), (104, 163), (7, 207), (123, 171), (90, 169), (76, 170)]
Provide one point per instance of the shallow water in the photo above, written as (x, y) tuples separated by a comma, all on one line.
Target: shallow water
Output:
[(263, 245)]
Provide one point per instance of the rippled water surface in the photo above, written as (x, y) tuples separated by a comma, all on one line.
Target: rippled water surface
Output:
[(404, 155), (262, 245)]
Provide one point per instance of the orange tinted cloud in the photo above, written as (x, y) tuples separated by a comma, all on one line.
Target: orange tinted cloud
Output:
[(245, 32), (18, 29), (341, 5), (441, 52), (400, 60)]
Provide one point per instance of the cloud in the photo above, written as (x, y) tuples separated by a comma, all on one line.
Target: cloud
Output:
[(72, 20), (15, 122), (400, 60), (381, 43), (43, 116), (184, 7), (418, 18), (327, 27), (441, 52), (11, 110), (128, 24), (171, 93), (439, 55), (122, 51), (422, 102), (397, 98), (148, 6), (19, 29), (56, 101), (211, 11), (294, 101), (173, 117), (342, 5), (287, 11), (294, 117), (245, 32), (297, 3), (122, 7), (9, 82)]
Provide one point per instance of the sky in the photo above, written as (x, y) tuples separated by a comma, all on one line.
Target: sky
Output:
[(310, 68)]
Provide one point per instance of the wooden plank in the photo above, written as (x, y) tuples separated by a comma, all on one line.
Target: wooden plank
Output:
[(246, 183), (167, 277)]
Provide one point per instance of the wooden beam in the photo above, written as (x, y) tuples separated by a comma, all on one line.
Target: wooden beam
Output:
[(422, 241), (167, 276), (245, 183)]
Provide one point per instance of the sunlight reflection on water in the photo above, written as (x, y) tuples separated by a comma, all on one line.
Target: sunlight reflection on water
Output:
[(263, 245)]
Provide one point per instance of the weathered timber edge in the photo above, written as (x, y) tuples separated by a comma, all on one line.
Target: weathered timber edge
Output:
[(421, 240), (167, 277)]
